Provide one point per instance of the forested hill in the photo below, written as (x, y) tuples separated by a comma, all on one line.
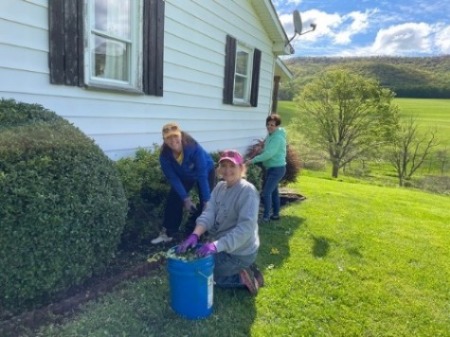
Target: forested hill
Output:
[(420, 77)]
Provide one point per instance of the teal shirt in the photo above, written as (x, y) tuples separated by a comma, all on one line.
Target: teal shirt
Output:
[(274, 152)]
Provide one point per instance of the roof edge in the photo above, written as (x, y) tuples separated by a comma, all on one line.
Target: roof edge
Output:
[(268, 14)]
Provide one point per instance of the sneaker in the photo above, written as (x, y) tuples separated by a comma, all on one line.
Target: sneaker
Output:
[(258, 275), (248, 279), (275, 217), (265, 220), (161, 238)]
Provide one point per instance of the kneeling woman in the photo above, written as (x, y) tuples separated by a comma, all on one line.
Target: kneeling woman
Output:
[(231, 222)]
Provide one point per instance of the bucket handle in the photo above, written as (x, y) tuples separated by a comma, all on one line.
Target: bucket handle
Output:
[(205, 276), (201, 274)]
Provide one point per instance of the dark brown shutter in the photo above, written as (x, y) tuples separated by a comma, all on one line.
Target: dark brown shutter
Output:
[(255, 77), (66, 42), (230, 64), (153, 47)]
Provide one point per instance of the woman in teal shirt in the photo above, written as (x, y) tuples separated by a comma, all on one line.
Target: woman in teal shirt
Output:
[(273, 158)]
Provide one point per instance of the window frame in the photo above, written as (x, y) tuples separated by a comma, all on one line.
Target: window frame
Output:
[(246, 77), (134, 63), (232, 47), (66, 57)]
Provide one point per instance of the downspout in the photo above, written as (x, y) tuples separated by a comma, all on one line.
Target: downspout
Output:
[(276, 86)]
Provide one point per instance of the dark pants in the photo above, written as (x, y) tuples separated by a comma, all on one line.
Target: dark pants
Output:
[(173, 212)]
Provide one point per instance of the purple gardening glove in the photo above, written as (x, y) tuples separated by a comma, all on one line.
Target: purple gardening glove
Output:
[(190, 242), (207, 249)]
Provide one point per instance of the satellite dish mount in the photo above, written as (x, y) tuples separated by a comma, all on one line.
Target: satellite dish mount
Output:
[(298, 26)]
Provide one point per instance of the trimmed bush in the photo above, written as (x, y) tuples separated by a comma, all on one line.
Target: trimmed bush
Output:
[(62, 206), (146, 189)]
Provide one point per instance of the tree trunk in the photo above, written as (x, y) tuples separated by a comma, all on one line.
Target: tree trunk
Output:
[(335, 170)]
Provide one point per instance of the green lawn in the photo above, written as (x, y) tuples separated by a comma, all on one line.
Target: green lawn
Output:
[(351, 260), (429, 114)]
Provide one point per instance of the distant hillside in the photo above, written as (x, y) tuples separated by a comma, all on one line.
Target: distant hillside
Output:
[(417, 77)]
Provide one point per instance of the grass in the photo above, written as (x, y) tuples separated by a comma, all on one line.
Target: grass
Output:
[(351, 260), (430, 115)]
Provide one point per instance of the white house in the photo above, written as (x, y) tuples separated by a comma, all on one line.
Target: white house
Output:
[(120, 69)]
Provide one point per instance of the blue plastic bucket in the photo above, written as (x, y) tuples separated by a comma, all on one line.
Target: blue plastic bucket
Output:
[(191, 286)]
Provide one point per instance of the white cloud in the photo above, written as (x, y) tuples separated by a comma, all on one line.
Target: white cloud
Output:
[(338, 29), (326, 24), (281, 3), (442, 40), (403, 39), (352, 24)]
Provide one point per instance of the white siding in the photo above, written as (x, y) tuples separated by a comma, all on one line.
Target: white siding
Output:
[(194, 55)]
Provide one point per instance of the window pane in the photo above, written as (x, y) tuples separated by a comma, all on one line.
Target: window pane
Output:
[(240, 86), (111, 59), (241, 62), (113, 17)]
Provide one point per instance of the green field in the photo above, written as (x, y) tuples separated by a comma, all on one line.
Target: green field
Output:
[(429, 114)]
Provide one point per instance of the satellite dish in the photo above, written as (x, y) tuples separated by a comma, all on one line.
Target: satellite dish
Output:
[(298, 25)]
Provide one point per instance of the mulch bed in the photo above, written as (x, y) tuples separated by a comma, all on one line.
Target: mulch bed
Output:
[(287, 197), (92, 289), (56, 312)]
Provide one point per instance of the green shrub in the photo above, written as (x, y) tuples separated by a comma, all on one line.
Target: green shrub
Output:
[(62, 206), (293, 163), (146, 189)]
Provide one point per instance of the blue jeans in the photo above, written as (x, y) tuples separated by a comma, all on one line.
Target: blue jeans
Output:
[(270, 194), (227, 267)]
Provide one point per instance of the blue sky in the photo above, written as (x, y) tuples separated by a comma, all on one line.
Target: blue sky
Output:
[(369, 27)]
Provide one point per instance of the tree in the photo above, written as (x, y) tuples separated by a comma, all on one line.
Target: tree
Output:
[(409, 149), (346, 115)]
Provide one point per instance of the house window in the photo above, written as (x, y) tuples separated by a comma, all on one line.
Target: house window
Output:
[(242, 67), (242, 74), (112, 55), (110, 44)]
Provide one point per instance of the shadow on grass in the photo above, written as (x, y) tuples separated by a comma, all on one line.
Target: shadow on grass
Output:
[(321, 246), (275, 236)]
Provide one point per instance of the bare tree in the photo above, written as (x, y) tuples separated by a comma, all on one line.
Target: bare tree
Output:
[(409, 149), (442, 156), (346, 115)]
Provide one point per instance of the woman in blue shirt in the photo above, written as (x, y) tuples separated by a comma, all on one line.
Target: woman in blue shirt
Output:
[(185, 164)]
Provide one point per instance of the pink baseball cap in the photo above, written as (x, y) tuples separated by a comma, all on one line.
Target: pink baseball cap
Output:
[(233, 156)]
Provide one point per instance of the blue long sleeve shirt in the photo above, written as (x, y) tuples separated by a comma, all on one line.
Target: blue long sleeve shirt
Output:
[(196, 165)]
